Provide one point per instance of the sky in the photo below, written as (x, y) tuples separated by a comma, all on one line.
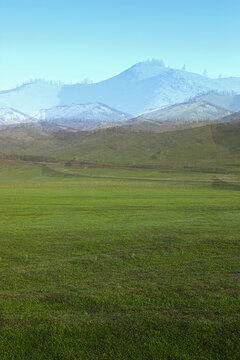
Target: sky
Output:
[(70, 40)]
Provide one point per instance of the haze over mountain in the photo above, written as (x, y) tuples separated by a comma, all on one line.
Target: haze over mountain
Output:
[(230, 102), (145, 86), (31, 96)]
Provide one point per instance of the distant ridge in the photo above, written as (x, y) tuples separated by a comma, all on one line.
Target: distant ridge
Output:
[(227, 101), (32, 96), (143, 87), (193, 111), (91, 113)]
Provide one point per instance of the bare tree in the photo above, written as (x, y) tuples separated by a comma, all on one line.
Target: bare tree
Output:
[(205, 73)]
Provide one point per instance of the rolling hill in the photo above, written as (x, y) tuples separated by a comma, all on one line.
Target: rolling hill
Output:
[(209, 146)]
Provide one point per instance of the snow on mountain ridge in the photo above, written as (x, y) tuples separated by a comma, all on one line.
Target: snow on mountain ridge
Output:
[(180, 86), (9, 116), (194, 111), (91, 113)]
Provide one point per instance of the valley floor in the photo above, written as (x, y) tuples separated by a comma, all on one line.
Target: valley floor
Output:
[(118, 263)]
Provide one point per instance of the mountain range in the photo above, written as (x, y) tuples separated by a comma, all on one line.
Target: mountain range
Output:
[(69, 118), (143, 87), (88, 117)]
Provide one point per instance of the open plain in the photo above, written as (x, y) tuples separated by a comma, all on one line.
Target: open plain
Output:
[(118, 262)]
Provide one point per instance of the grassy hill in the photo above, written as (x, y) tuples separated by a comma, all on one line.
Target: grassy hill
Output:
[(210, 146)]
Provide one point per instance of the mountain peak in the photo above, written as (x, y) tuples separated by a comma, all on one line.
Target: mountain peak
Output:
[(150, 63), (147, 69)]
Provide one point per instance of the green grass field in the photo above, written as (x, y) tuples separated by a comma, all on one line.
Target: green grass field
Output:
[(118, 263)]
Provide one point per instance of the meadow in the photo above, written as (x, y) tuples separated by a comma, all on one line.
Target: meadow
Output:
[(118, 263)]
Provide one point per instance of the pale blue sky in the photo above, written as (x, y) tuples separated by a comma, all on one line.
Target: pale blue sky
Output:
[(69, 40)]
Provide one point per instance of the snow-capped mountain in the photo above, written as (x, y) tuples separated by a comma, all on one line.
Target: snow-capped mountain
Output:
[(81, 113), (10, 116), (145, 86), (195, 111)]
